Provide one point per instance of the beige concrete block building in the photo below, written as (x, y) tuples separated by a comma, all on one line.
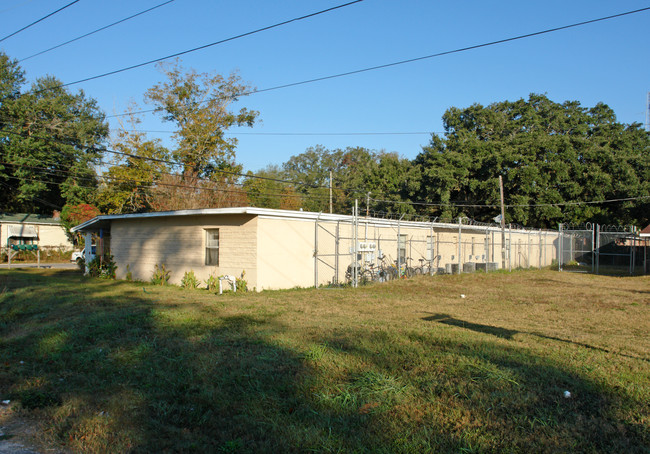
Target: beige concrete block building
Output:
[(279, 249)]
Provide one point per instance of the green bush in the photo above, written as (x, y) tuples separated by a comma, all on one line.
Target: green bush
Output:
[(104, 267), (213, 283), (241, 284), (189, 280), (160, 275)]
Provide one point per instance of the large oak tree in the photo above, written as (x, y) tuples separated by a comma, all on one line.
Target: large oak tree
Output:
[(559, 162)]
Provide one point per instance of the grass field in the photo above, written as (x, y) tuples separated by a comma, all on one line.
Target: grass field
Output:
[(400, 367)]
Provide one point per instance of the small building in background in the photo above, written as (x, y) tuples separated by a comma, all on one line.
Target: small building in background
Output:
[(46, 231)]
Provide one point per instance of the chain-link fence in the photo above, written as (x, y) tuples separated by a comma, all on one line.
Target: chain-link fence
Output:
[(369, 248), (602, 249)]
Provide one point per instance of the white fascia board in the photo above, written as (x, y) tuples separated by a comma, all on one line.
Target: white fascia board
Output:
[(267, 213)]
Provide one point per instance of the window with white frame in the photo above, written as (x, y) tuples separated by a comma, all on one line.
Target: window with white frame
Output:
[(212, 247)]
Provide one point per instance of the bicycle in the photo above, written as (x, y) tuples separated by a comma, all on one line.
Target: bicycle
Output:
[(423, 269), (389, 272), (364, 274)]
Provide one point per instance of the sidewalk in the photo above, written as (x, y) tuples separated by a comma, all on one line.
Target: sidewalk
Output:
[(59, 266)]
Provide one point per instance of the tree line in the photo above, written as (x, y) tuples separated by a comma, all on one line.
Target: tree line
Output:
[(560, 162)]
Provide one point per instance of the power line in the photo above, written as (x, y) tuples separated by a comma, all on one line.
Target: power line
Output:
[(166, 161), (43, 201), (96, 31), (156, 184), (39, 20), (178, 54), (56, 172), (369, 133), (449, 52), (412, 60), (462, 205)]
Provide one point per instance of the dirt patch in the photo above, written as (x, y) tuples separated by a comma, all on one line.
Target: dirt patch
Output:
[(19, 435)]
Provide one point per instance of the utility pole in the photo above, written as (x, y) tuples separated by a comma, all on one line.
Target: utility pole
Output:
[(331, 210), (503, 226), (368, 204)]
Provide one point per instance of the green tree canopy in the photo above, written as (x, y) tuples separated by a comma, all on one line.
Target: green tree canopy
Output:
[(356, 171), (199, 105), (552, 157), (136, 167), (48, 143)]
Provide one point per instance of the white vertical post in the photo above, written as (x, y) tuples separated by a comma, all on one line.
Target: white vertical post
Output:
[(596, 253), (431, 257), (540, 249), (399, 256), (460, 243), (316, 251), (510, 247), (355, 270), (559, 248), (88, 250), (336, 253)]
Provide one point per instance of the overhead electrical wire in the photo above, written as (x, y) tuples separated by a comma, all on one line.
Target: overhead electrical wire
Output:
[(157, 184), (410, 60), (449, 52), (303, 133), (43, 201), (164, 161), (39, 20), (355, 190), (232, 38), (97, 30), (462, 205), (313, 196)]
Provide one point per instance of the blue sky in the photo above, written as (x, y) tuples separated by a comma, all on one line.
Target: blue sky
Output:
[(606, 61)]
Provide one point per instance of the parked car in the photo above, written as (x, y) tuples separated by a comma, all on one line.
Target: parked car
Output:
[(77, 256)]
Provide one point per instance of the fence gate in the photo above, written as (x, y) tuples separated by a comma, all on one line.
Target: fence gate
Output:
[(576, 248), (615, 249), (601, 249)]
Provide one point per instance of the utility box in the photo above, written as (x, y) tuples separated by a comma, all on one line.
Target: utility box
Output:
[(469, 267)]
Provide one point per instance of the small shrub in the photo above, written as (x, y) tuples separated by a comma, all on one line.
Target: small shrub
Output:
[(108, 267), (129, 274), (104, 267), (240, 283), (213, 283), (189, 280), (160, 275)]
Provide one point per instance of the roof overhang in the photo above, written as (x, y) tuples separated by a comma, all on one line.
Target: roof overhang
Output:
[(21, 231), (104, 221)]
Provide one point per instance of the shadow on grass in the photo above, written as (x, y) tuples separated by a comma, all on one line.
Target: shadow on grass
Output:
[(113, 368), (481, 396), (505, 333), (479, 328)]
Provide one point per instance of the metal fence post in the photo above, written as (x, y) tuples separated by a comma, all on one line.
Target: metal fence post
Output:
[(336, 252), (560, 248), (431, 253), (399, 256), (460, 242), (633, 250), (316, 251), (510, 247), (596, 254), (539, 241)]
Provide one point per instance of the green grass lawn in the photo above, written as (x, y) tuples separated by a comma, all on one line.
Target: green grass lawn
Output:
[(400, 367)]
